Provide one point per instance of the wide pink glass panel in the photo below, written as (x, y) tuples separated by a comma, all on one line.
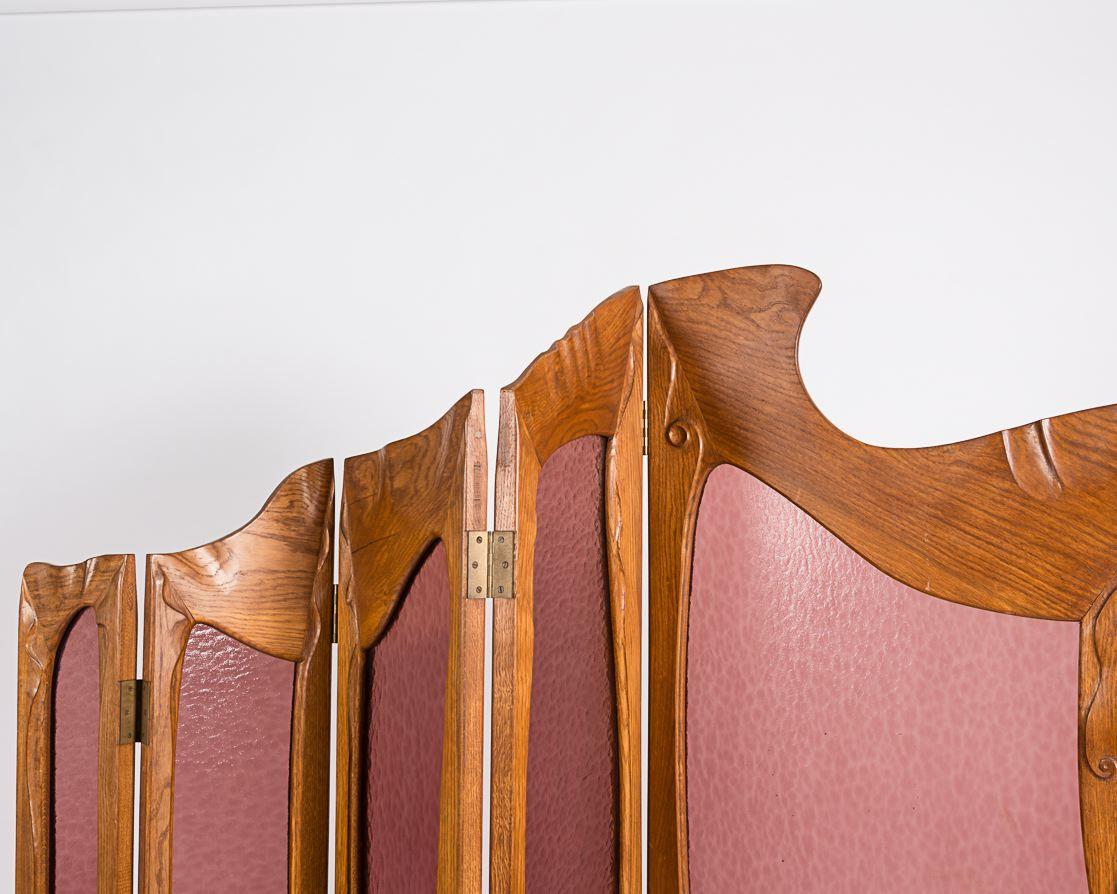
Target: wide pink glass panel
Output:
[(76, 722), (572, 748), (232, 768), (406, 721), (846, 733)]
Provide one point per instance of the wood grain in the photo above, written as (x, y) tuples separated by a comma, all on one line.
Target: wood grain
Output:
[(588, 383), (1020, 521), (396, 503), (51, 597), (269, 585)]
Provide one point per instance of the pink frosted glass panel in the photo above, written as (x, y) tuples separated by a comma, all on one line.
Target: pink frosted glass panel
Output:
[(572, 749), (406, 717), (848, 734), (232, 768), (76, 721)]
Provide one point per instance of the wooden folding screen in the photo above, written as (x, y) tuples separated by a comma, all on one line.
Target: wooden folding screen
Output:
[(814, 724), (85, 615), (1020, 522)]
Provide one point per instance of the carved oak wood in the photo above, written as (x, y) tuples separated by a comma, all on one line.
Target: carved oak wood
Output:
[(1021, 521), (396, 503), (587, 383), (51, 597), (269, 585)]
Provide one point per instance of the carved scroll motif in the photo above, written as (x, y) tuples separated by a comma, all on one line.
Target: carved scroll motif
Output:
[(1098, 722)]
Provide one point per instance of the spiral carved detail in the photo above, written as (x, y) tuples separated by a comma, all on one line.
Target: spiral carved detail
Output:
[(1098, 721)]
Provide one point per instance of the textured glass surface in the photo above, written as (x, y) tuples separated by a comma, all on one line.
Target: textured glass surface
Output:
[(76, 720), (232, 768), (572, 747), (406, 723), (846, 733)]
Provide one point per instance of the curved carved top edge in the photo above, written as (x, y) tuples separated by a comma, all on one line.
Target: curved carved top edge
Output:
[(1015, 521), (256, 584), (397, 503), (286, 485), (585, 372), (661, 295)]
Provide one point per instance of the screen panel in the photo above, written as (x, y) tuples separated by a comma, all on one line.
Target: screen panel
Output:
[(267, 589), (76, 721), (74, 777), (1017, 521), (411, 662), (588, 385), (406, 685), (572, 742), (232, 767), (846, 733)]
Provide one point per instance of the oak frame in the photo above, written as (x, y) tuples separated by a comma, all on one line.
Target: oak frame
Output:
[(1020, 521), (590, 382), (396, 504), (51, 597), (269, 585)]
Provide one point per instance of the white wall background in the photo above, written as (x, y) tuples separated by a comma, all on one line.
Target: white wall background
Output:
[(234, 241)]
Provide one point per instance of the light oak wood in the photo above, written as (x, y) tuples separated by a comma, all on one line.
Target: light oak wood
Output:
[(397, 503), (51, 597), (269, 585), (1021, 521), (588, 383)]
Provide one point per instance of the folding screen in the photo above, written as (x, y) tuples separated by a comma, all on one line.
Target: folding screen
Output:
[(234, 787), (77, 641), (1020, 522), (816, 723)]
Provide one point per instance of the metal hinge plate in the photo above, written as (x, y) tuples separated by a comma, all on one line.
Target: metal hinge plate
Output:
[(133, 711), (333, 618), (645, 444), (490, 564)]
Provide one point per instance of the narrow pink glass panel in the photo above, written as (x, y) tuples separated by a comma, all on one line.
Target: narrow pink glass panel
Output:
[(848, 734), (572, 748), (76, 722), (232, 768), (406, 720)]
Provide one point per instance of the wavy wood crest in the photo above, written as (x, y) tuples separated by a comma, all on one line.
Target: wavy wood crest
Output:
[(51, 597), (588, 383), (397, 503), (269, 585), (1021, 521)]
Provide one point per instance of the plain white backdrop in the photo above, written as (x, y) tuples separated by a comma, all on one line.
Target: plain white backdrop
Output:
[(234, 241)]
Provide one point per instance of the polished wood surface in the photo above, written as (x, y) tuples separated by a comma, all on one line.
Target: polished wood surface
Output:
[(1020, 521), (51, 597), (396, 503), (269, 585), (588, 383)]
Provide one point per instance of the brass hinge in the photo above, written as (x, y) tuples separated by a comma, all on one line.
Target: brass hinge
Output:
[(645, 428), (490, 564), (333, 618), (133, 711)]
